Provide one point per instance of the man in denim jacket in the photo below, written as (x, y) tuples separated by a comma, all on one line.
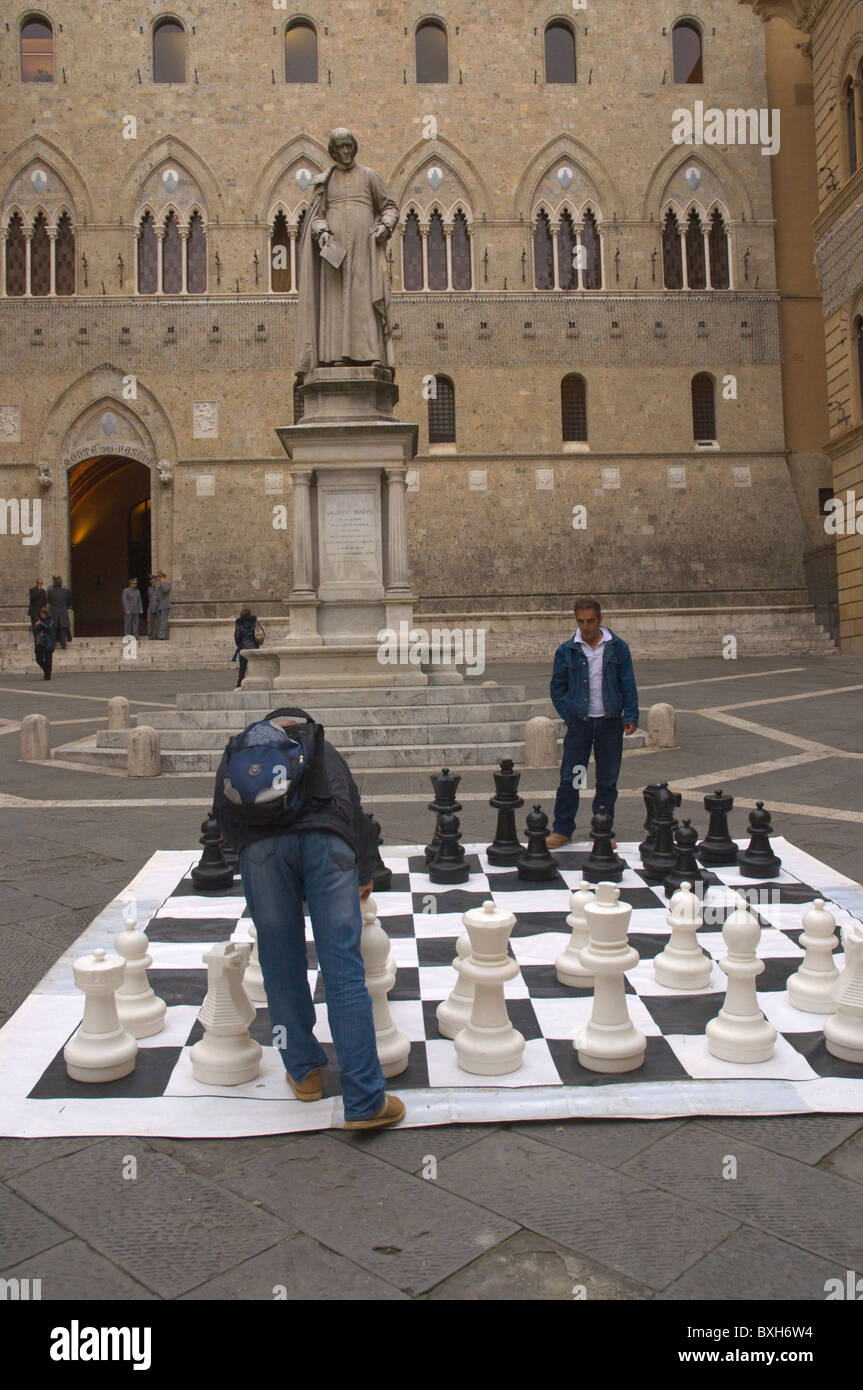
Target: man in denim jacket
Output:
[(593, 690)]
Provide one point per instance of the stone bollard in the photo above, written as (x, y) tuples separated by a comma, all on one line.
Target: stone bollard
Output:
[(540, 742), (35, 738), (144, 756), (661, 726), (118, 713)]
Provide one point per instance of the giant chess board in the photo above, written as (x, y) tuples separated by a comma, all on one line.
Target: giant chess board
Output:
[(423, 920)]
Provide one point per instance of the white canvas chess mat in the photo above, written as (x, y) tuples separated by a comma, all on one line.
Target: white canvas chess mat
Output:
[(423, 920)]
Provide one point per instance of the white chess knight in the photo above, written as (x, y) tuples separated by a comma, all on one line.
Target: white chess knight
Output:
[(393, 1047), (843, 1031), (226, 1055), (740, 1032), (570, 970), (101, 1050), (610, 1042), (253, 980), (810, 987), (683, 964), (139, 1009), (454, 1013), (489, 1045)]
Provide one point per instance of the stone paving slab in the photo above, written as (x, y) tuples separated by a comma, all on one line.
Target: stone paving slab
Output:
[(20, 1155), (167, 1229), (302, 1268), (807, 1137), (609, 1142), (211, 1157), (753, 1265), (627, 1225), (408, 1148), (401, 1228), (847, 1160), (73, 1271), (809, 1208), (24, 1231), (528, 1268)]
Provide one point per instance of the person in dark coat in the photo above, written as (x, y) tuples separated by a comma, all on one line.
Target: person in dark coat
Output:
[(45, 639), (244, 640), (59, 602), (38, 600)]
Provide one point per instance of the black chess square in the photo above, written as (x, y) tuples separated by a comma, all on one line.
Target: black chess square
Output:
[(436, 950), (401, 925), (660, 1064), (414, 1077), (446, 900), (179, 986), (153, 1068), (542, 983), (683, 1013), (814, 1048), (186, 888), (207, 929), (513, 883)]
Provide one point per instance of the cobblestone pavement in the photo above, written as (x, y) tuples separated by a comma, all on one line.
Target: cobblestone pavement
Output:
[(614, 1209)]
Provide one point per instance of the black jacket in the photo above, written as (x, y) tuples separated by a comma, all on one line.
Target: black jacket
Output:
[(333, 803), (244, 633)]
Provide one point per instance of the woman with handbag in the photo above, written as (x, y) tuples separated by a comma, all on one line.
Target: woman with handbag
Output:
[(248, 635)]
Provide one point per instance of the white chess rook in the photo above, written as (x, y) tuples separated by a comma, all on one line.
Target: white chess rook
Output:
[(139, 1009), (488, 1045), (393, 1047), (809, 988), (226, 1055), (253, 980), (570, 970), (610, 1042), (101, 1050), (740, 1032), (843, 1032), (683, 964), (454, 1013)]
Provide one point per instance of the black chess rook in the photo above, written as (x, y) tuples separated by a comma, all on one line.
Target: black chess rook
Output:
[(717, 847), (536, 862), (506, 847)]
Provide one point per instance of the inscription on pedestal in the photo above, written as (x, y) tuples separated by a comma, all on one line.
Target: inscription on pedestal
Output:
[(350, 531)]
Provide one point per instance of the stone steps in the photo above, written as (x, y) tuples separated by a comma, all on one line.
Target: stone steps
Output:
[(373, 759), (251, 702), (335, 721), (348, 736)]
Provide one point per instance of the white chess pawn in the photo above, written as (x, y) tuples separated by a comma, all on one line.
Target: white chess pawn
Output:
[(489, 1045), (683, 964), (226, 1055), (843, 1032), (139, 1009), (809, 988), (740, 1032), (253, 980), (610, 1042), (101, 1050), (454, 1013), (393, 1047), (570, 970)]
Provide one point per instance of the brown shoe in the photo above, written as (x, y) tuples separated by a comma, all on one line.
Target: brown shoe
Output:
[(554, 841), (310, 1088), (390, 1113)]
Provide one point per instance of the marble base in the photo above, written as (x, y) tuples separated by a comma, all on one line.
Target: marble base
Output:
[(331, 667)]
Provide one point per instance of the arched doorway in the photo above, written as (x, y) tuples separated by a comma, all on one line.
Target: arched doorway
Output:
[(109, 540)]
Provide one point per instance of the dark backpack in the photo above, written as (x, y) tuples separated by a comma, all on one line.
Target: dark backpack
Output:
[(266, 767)]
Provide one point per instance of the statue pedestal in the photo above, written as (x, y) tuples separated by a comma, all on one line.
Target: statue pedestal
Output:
[(349, 459)]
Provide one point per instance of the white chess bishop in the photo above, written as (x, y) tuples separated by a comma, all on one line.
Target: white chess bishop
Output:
[(843, 1032), (489, 1045), (570, 970), (393, 1046), (610, 1042), (139, 1009), (740, 1032), (226, 1055), (101, 1050), (810, 987)]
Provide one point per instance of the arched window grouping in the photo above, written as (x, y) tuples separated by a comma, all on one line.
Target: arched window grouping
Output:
[(39, 257), (436, 254), (284, 262), (442, 411), (687, 52), (432, 57), (559, 52), (169, 51), (172, 257), (301, 51), (703, 409), (567, 254), (695, 256), (37, 50)]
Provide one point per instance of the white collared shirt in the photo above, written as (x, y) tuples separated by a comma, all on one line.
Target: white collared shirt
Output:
[(595, 709)]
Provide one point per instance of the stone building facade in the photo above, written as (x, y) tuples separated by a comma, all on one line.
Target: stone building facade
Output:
[(593, 305)]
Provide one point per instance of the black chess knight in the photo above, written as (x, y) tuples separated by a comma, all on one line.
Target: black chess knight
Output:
[(661, 859)]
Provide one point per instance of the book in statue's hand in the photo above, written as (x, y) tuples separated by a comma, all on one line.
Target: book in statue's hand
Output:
[(333, 253)]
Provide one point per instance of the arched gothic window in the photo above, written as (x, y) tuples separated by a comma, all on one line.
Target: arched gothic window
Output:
[(280, 255), (559, 52), (301, 51), (412, 278), (543, 253), (40, 257), (696, 263), (147, 256), (720, 277), (591, 259), (432, 60), (461, 268), (172, 256), (573, 408), (567, 253), (442, 412), (169, 51), (181, 266), (16, 257), (196, 256), (851, 126), (703, 409), (687, 54), (436, 253), (37, 50), (39, 261)]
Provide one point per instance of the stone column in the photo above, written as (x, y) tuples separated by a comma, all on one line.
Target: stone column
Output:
[(184, 269), (424, 237), (301, 479), (52, 248), (28, 237), (293, 233), (160, 237), (447, 231), (397, 550), (4, 236), (706, 235), (554, 228)]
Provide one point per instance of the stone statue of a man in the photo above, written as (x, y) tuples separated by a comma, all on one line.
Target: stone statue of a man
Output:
[(344, 311)]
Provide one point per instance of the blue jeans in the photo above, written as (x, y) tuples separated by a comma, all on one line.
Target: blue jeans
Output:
[(277, 873), (605, 737)]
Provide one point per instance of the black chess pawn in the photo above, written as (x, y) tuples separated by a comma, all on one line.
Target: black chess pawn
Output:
[(211, 872), (230, 855), (717, 847), (449, 864), (536, 862), (661, 859), (383, 877), (758, 859), (602, 865), (505, 848), (445, 784), (649, 795), (686, 868)]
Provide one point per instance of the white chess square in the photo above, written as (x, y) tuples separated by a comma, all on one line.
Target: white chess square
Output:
[(564, 1018), (777, 1007), (537, 1067), (786, 1064), (541, 949), (643, 979)]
